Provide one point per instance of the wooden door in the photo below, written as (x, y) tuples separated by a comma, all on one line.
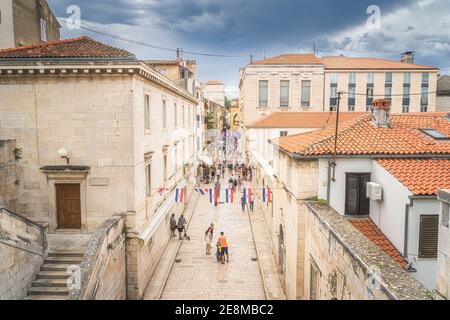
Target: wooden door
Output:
[(356, 201), (68, 206)]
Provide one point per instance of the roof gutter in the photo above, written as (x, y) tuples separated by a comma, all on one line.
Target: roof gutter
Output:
[(297, 156)]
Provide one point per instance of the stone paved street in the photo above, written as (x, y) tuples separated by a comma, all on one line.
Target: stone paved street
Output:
[(198, 276)]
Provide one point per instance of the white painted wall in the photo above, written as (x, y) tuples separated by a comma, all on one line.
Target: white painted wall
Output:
[(426, 268), (337, 188), (6, 25)]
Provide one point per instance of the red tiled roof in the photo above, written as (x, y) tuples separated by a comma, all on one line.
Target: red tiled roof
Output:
[(83, 47), (285, 119), (290, 59), (362, 137), (369, 229), (423, 177), (214, 83), (341, 62)]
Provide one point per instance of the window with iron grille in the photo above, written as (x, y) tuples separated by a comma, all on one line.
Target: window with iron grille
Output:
[(428, 237)]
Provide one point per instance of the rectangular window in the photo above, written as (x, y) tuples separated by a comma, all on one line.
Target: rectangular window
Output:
[(164, 115), (306, 93), (352, 78), (356, 201), (407, 78), (147, 112), (333, 96), (388, 77), (425, 78), (370, 78), (283, 133), (165, 167), (313, 281), (183, 116), (284, 94), (334, 78), (175, 115), (428, 237), (424, 100), (148, 175), (263, 93), (44, 36), (351, 97), (369, 96)]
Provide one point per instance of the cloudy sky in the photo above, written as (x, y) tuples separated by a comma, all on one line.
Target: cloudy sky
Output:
[(266, 28)]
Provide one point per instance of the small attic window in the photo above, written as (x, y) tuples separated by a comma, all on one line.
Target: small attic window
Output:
[(435, 134)]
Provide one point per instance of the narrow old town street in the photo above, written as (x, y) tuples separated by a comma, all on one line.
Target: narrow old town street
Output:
[(194, 275)]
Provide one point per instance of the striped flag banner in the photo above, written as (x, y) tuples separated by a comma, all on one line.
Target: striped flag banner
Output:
[(229, 196), (266, 196), (179, 195), (249, 195), (202, 191), (210, 196)]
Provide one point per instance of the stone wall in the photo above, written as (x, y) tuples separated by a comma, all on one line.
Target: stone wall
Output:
[(103, 270), (443, 274), (22, 249), (347, 265), (8, 179)]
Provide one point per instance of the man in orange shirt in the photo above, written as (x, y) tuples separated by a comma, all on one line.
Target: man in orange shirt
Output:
[(222, 242)]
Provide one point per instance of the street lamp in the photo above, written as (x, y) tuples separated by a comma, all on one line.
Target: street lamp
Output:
[(63, 153)]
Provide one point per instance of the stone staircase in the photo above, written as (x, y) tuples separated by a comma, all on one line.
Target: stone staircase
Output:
[(51, 280)]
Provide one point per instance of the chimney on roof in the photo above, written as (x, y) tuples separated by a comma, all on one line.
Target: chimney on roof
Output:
[(380, 113), (407, 56)]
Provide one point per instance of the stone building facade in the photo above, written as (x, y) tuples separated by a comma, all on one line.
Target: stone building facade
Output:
[(9, 156), (304, 82), (128, 131), (27, 22)]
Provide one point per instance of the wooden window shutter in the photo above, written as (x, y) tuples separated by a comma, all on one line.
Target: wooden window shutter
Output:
[(428, 239)]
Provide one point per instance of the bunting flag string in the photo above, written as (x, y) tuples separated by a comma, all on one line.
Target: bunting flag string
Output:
[(229, 193)]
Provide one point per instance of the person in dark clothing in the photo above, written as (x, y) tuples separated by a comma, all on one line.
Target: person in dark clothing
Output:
[(181, 226), (243, 203), (173, 225), (252, 205)]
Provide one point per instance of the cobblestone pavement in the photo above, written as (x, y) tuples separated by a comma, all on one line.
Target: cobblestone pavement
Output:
[(199, 276)]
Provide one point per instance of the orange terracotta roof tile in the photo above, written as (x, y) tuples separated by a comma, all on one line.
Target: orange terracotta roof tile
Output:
[(362, 137), (290, 59), (423, 177), (341, 62), (79, 48), (369, 229), (286, 119), (214, 83)]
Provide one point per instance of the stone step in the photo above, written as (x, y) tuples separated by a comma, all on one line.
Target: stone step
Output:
[(45, 297), (60, 283), (55, 267), (52, 275), (48, 291), (77, 254), (63, 260)]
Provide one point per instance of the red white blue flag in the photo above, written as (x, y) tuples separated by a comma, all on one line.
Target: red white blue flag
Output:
[(266, 196), (179, 195)]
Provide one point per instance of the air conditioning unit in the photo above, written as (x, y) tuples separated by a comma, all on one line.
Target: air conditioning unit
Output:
[(374, 191)]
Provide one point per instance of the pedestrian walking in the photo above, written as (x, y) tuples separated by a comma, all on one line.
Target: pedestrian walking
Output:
[(173, 225), (239, 183), (252, 205), (181, 226), (223, 244), (243, 203), (209, 234)]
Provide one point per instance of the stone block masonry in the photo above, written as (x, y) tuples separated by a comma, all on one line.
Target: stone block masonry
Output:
[(22, 249), (8, 178)]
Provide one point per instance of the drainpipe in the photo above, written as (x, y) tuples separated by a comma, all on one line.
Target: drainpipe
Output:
[(405, 243), (329, 181)]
